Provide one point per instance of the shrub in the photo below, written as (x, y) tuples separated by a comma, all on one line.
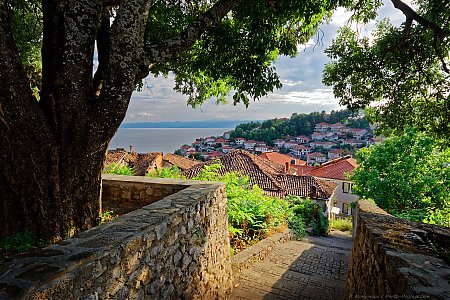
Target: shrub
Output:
[(311, 213), (172, 172), (118, 169), (251, 214), (21, 242), (342, 224), (415, 215), (297, 225), (107, 216)]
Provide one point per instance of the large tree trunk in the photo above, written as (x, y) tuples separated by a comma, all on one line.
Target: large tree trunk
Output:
[(52, 151)]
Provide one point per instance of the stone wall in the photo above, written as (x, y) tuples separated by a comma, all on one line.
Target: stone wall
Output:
[(248, 257), (128, 193), (395, 258), (175, 248)]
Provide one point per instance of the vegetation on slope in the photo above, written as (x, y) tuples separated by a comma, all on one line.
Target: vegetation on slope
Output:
[(252, 215), (298, 124)]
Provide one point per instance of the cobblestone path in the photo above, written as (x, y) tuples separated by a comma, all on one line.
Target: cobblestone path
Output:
[(313, 268)]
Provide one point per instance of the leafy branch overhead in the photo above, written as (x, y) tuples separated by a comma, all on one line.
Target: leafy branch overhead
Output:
[(230, 46), (400, 74)]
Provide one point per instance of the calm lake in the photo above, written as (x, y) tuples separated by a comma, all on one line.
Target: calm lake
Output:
[(164, 140)]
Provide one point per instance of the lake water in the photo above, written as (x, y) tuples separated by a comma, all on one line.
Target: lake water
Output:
[(165, 140)]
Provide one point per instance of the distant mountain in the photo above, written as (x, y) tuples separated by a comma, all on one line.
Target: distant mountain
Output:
[(191, 124)]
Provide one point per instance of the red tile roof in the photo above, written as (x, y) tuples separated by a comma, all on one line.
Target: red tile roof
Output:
[(259, 170), (181, 162), (281, 159), (303, 170), (268, 176), (315, 154), (306, 186), (114, 156), (335, 168), (142, 162)]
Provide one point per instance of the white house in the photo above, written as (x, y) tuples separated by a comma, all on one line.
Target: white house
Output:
[(220, 141), (239, 141), (318, 136), (322, 127), (263, 148), (358, 133), (335, 153), (226, 135), (325, 145), (302, 139), (353, 142), (227, 149), (278, 142), (249, 145), (315, 157), (337, 127), (289, 144), (336, 171), (300, 150)]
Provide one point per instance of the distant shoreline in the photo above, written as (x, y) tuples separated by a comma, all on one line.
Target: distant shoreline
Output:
[(165, 140), (187, 124)]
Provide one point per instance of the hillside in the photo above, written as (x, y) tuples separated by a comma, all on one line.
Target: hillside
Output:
[(297, 124)]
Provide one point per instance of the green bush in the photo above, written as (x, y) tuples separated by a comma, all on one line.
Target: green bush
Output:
[(341, 224), (107, 216), (21, 242), (438, 216), (311, 213), (172, 172), (251, 214), (117, 169), (415, 215), (297, 225)]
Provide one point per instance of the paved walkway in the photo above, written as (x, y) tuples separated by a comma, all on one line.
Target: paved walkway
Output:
[(314, 268)]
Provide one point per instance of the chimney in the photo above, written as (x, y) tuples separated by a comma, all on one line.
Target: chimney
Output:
[(131, 148), (287, 166)]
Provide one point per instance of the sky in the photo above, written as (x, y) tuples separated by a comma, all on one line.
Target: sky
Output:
[(302, 90)]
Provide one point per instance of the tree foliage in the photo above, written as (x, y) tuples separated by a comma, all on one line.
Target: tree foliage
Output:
[(407, 172), (26, 24), (401, 73), (238, 53)]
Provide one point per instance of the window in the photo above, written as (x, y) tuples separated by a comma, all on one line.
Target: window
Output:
[(345, 208), (346, 187), (292, 161)]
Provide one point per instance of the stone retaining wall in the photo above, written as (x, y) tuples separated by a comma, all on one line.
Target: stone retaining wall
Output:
[(395, 258), (128, 193), (175, 248), (245, 259)]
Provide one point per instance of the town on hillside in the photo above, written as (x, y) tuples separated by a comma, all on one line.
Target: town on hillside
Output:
[(325, 181), (327, 141)]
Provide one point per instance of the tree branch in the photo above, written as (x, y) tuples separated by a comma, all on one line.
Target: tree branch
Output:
[(155, 54), (439, 54), (411, 14)]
